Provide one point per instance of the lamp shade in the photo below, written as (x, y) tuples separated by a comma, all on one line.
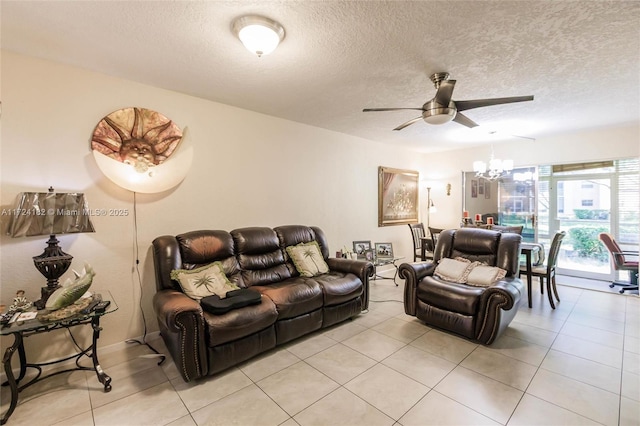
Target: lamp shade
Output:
[(46, 213)]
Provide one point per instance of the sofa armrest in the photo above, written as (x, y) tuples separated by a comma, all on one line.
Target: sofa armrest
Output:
[(413, 273), (360, 268), (498, 305), (182, 326)]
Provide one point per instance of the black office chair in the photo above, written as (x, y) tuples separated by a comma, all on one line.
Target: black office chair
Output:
[(417, 234), (548, 271)]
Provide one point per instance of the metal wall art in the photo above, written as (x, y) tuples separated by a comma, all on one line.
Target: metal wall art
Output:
[(141, 150), (137, 136)]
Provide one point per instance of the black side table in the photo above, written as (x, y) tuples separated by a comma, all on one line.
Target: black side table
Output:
[(22, 329)]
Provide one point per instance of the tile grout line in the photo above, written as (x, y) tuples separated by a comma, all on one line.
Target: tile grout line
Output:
[(538, 367)]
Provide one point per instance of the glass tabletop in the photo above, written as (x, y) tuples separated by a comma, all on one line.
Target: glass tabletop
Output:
[(33, 320), (387, 260)]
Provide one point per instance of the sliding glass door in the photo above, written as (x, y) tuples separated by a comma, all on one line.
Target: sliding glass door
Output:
[(584, 200), (583, 211)]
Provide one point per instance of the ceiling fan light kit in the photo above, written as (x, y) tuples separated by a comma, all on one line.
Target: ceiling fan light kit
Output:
[(260, 35), (443, 109), (435, 114)]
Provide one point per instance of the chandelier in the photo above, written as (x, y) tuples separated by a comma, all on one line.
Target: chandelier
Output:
[(497, 168)]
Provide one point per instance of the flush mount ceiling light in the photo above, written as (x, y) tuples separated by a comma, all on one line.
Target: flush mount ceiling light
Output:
[(259, 35)]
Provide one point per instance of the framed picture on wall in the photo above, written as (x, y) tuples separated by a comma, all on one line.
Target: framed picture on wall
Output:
[(397, 196), (384, 250), (474, 189), (360, 247), (487, 190)]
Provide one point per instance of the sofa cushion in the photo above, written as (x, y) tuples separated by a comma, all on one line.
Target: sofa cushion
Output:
[(454, 270), (204, 281), (204, 247), (308, 259), (461, 298), (484, 276), (294, 296), (338, 287), (474, 244), (260, 256), (239, 323)]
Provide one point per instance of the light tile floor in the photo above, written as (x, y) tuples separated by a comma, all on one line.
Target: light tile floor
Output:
[(576, 365)]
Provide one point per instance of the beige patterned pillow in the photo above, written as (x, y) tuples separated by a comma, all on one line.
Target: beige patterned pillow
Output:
[(485, 276), (454, 270), (204, 281), (308, 259)]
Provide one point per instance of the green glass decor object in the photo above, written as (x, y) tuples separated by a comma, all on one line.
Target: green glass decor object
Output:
[(71, 290)]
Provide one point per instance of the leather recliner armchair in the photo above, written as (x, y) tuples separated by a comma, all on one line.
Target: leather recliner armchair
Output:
[(477, 313)]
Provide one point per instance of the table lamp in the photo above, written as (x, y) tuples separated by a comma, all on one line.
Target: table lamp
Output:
[(50, 213)]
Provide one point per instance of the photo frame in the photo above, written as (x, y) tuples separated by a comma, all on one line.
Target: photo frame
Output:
[(384, 250), (370, 255), (397, 196), (487, 190), (474, 189), (360, 247)]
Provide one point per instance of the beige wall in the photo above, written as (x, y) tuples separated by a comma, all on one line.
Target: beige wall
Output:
[(249, 169)]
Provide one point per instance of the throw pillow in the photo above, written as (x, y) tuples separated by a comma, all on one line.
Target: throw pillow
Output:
[(485, 276), (454, 270), (308, 259), (204, 281)]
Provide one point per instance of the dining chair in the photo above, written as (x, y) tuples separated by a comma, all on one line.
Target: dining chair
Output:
[(417, 234), (621, 261), (548, 271), (435, 233), (514, 229)]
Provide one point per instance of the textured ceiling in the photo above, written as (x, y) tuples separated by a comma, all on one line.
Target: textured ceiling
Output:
[(580, 59)]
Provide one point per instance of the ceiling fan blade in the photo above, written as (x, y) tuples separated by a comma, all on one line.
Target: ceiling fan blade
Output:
[(389, 109), (408, 123), (495, 132), (445, 92), (524, 137), (478, 103), (465, 121)]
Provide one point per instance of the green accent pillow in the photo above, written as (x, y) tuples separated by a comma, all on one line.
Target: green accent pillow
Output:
[(204, 281), (308, 259)]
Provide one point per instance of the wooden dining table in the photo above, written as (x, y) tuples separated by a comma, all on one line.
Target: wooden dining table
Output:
[(528, 249)]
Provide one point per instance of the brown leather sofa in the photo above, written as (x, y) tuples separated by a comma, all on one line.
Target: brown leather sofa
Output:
[(201, 343), (478, 313)]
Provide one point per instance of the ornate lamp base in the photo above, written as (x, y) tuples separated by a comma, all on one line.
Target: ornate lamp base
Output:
[(52, 263)]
